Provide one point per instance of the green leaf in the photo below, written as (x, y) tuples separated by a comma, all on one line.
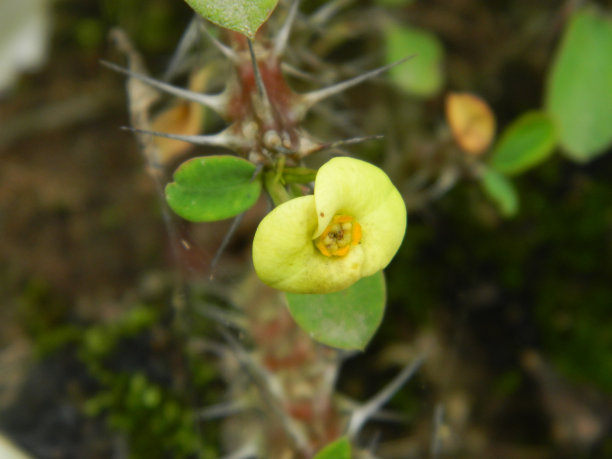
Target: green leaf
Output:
[(528, 141), (579, 90), (423, 75), (243, 16), (211, 188), (346, 319), (501, 191), (339, 449)]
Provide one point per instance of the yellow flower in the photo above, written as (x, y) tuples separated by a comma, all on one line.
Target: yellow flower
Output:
[(350, 228)]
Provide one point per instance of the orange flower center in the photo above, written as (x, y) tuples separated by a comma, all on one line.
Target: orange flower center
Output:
[(341, 234)]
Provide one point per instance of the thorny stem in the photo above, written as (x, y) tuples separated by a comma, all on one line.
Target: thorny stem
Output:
[(361, 415), (271, 392), (271, 387)]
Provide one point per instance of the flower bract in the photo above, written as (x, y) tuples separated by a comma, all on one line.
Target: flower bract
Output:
[(350, 228)]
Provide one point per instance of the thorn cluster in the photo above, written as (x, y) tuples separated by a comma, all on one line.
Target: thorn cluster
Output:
[(263, 114)]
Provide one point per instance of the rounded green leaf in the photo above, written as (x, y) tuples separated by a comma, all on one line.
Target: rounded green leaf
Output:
[(579, 91), (423, 76), (211, 188), (243, 16), (501, 191), (346, 319), (528, 141), (339, 449)]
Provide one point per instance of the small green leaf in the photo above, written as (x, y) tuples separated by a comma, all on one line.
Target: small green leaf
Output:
[(339, 449), (211, 188), (243, 16), (423, 75), (346, 319), (579, 90), (501, 191), (528, 141)]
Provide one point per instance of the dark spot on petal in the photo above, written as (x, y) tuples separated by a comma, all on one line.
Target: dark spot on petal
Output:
[(322, 214)]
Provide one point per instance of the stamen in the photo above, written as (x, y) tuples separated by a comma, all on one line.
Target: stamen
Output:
[(341, 234)]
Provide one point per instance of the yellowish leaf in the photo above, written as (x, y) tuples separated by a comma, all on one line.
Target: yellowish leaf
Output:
[(471, 121)]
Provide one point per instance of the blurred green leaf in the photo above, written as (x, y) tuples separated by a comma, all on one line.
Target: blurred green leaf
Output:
[(579, 92), (501, 191), (339, 449), (423, 75), (213, 188), (528, 141), (347, 319), (89, 33), (243, 16)]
